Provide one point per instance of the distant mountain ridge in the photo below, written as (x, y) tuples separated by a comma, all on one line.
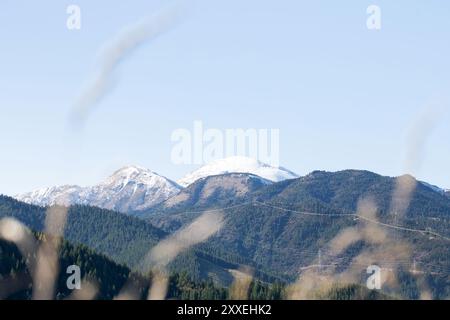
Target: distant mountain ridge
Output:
[(133, 188), (129, 188)]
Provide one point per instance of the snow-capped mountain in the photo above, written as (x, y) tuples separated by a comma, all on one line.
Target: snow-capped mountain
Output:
[(128, 189), (238, 165), (63, 195), (135, 188)]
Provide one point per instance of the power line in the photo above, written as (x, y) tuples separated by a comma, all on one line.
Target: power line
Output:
[(358, 217), (306, 213)]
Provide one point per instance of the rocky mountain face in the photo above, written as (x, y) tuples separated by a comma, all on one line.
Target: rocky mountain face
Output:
[(128, 189)]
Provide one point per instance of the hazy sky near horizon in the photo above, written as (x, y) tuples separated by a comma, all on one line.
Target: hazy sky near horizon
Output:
[(341, 95)]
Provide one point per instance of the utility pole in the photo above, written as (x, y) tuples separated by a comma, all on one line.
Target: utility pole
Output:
[(320, 260)]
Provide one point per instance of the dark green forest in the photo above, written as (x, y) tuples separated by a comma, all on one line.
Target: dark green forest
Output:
[(16, 283)]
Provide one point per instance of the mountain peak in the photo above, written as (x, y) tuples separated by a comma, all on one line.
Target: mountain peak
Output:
[(134, 171), (238, 164), (130, 188), (131, 169)]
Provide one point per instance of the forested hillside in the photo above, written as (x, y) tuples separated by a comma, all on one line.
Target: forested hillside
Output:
[(110, 279), (126, 240), (287, 225), (109, 276)]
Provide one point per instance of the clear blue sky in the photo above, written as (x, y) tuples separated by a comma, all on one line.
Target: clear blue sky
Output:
[(341, 95)]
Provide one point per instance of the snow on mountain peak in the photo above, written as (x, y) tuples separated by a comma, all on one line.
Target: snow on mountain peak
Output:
[(62, 195), (128, 189), (134, 188), (134, 174), (238, 164)]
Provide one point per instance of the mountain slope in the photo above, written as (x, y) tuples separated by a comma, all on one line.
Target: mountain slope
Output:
[(433, 187), (343, 189), (126, 239), (329, 192), (109, 277), (211, 192), (123, 238), (279, 239), (130, 188), (238, 165)]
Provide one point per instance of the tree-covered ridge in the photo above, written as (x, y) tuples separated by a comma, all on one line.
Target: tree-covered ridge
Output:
[(343, 189), (270, 230), (320, 192), (124, 238), (111, 278)]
